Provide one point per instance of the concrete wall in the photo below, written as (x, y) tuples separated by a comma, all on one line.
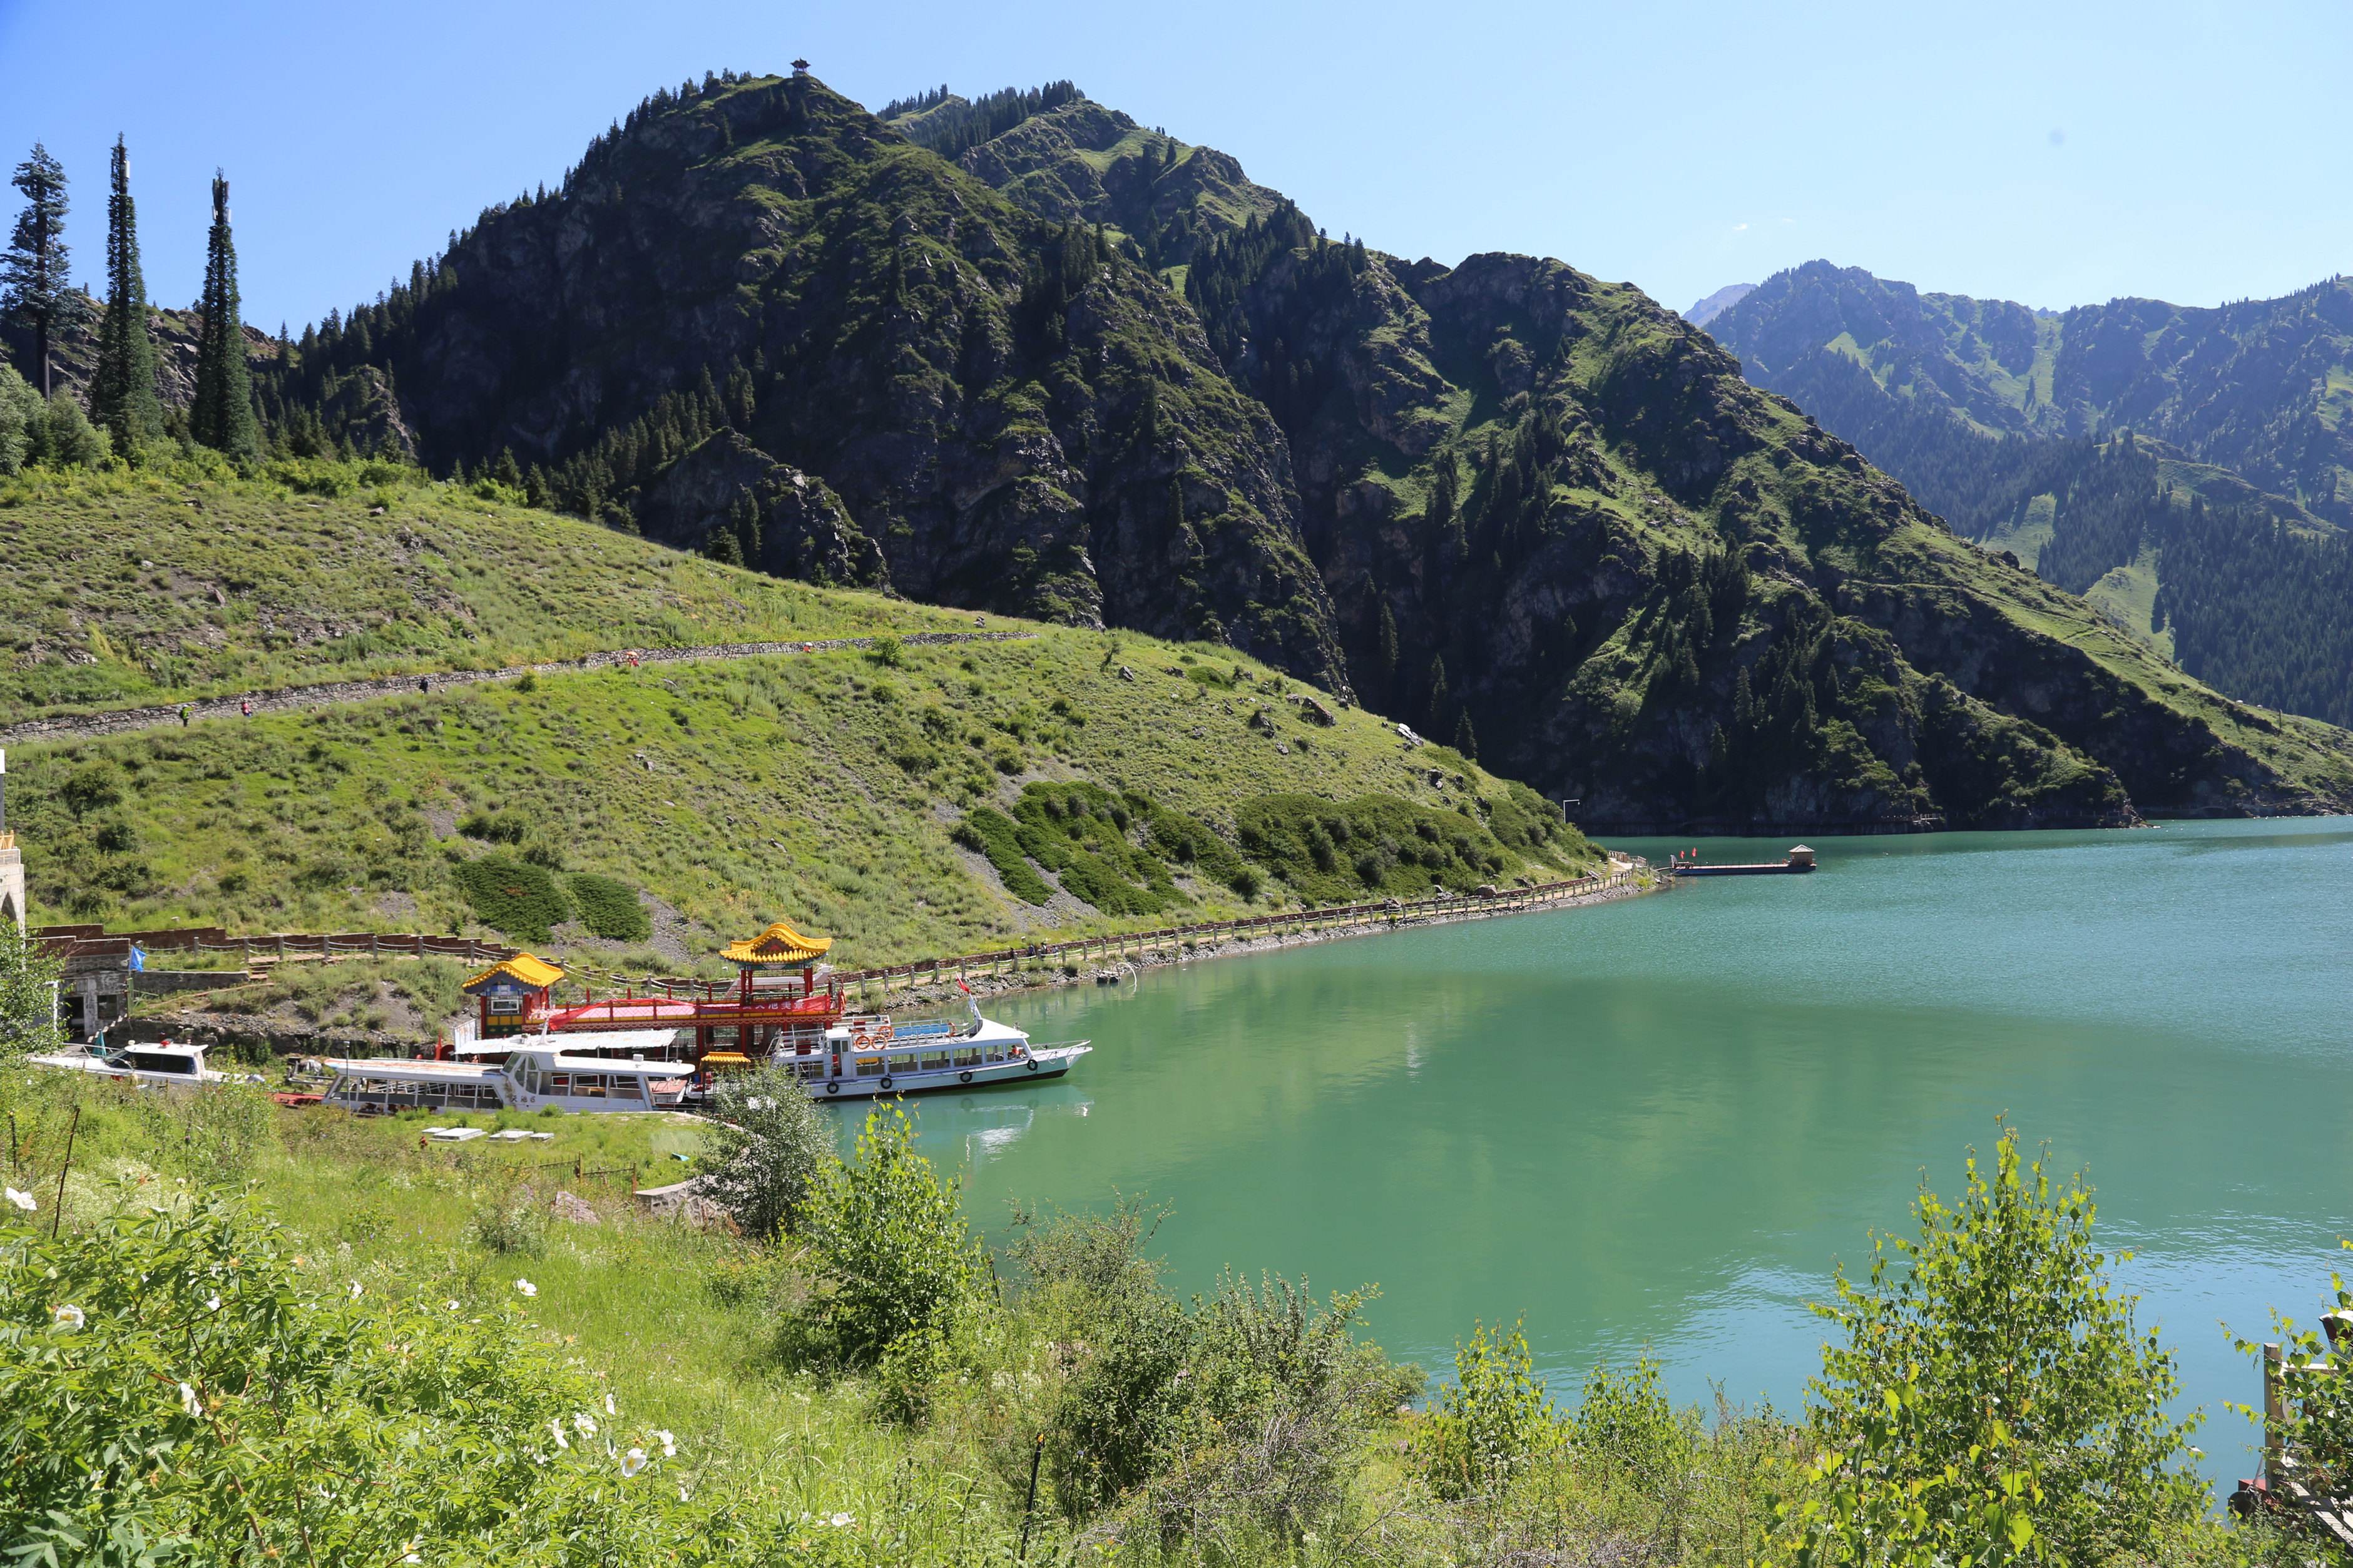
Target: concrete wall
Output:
[(12, 882)]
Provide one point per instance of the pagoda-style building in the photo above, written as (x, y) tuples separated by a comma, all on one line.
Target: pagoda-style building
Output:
[(783, 999), (513, 996)]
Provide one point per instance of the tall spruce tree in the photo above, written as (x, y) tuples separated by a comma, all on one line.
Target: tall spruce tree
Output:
[(122, 398), (222, 414), (33, 284)]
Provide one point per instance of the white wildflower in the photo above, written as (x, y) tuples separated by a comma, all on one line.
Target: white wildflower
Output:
[(212, 1303), (526, 1287), (189, 1402), (609, 1404), (452, 1306), (840, 1521), (357, 1289), (557, 1428), (632, 1462), (22, 1200), (669, 1443), (584, 1425), (69, 1317)]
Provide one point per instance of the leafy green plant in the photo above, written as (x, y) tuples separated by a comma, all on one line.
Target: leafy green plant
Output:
[(28, 1005), (175, 1386), (513, 896), (511, 1224), (609, 906), (768, 1150), (1993, 1395), (1491, 1424), (886, 1240)]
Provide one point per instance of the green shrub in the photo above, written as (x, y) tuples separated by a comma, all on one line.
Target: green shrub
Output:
[(512, 897), (609, 906), (884, 1236), (1993, 1394), (768, 1147), (173, 1385), (1491, 1424), (1342, 850), (992, 835), (512, 1224)]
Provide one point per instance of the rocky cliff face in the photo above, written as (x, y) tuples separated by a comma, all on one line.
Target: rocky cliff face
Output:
[(1019, 417)]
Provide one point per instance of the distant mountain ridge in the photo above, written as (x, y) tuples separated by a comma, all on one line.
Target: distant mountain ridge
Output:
[(1995, 416), (1706, 310), (1090, 373)]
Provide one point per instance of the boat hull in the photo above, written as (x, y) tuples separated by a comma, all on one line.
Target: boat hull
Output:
[(1037, 1067)]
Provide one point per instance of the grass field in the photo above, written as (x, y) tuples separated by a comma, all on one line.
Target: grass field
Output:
[(126, 588), (825, 789), (687, 1331)]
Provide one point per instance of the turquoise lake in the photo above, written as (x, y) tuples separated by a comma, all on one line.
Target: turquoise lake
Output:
[(1662, 1124)]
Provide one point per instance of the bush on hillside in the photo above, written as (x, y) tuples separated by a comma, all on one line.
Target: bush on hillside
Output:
[(138, 1431), (767, 1148), (884, 1236), (1993, 1395), (514, 897), (1339, 851), (1491, 1422), (609, 906)]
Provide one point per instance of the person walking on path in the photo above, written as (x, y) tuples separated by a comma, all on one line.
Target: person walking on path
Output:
[(245, 707), (424, 686), (183, 714)]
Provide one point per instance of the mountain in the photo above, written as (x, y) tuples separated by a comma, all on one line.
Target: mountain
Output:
[(1715, 304), (1016, 416), (2223, 547), (1088, 372)]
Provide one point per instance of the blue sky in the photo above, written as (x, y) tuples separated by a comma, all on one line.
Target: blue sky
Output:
[(2051, 153)]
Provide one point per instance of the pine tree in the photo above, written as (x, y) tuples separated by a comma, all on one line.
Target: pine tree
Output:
[(33, 274), (122, 398), (1388, 645), (1439, 699), (505, 470), (221, 415), (1465, 740)]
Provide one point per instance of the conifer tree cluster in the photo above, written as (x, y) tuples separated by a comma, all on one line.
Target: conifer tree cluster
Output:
[(952, 129)]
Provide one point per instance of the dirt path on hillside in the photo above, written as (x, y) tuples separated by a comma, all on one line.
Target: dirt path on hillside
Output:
[(119, 721)]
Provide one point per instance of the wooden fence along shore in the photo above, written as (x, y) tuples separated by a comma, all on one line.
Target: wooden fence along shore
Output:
[(1003, 963)]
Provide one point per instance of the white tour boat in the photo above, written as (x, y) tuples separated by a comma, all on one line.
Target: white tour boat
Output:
[(537, 1072), (867, 1055), (165, 1062)]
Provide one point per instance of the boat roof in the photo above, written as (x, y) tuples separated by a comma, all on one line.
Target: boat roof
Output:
[(601, 1040), (535, 973), (780, 943), (404, 1067)]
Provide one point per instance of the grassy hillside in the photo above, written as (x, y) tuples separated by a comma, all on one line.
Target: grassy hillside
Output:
[(838, 788), (127, 588)]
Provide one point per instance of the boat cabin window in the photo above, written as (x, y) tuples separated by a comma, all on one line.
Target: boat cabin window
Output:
[(811, 1067), (152, 1062), (903, 1062), (969, 1057), (870, 1066), (559, 1083), (936, 1061), (996, 1050)]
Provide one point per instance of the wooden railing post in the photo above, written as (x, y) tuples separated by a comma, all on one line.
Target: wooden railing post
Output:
[(2275, 1413)]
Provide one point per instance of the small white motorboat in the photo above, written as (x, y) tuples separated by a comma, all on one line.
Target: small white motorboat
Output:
[(164, 1062)]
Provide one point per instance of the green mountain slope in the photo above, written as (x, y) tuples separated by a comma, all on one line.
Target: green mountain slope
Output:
[(2005, 420), (1539, 484), (1140, 782), (1521, 507), (1017, 415), (125, 589)]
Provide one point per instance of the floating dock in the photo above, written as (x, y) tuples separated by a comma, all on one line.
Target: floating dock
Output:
[(1800, 860)]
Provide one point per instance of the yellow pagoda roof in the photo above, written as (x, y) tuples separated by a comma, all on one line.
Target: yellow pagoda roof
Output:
[(537, 974), (780, 943)]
